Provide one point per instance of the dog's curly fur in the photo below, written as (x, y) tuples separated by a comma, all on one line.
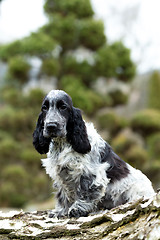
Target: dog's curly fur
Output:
[(87, 173)]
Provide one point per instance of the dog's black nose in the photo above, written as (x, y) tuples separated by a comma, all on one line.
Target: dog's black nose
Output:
[(52, 126)]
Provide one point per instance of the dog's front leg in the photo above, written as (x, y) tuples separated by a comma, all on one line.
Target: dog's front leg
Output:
[(88, 194), (80, 209)]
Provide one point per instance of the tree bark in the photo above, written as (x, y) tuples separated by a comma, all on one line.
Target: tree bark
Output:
[(136, 220)]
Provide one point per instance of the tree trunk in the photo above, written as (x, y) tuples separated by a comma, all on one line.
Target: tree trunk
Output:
[(136, 220)]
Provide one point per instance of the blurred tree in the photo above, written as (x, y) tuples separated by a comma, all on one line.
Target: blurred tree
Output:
[(71, 26), (71, 23), (154, 89)]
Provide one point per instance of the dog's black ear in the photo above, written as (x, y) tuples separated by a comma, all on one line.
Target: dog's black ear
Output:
[(40, 143), (76, 132)]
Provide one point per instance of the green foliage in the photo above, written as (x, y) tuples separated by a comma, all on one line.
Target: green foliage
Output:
[(122, 143), (146, 122), (153, 171), (35, 97), (153, 143), (15, 173), (13, 97), (114, 61), (17, 122), (8, 146), (82, 97), (111, 122), (125, 67), (118, 97), (10, 197), (41, 187), (92, 34), (81, 8), (130, 148), (50, 67), (106, 62), (137, 157), (18, 68), (86, 32), (154, 90), (64, 30), (82, 70), (30, 158), (10, 50), (16, 180), (37, 44)]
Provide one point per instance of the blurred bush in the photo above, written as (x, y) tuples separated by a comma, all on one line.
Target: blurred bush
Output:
[(114, 61), (30, 158), (106, 62), (111, 122), (146, 121), (64, 30), (92, 34), (153, 171), (153, 91), (122, 143), (137, 157), (118, 97), (14, 189), (13, 97), (17, 122), (10, 50), (153, 143), (125, 68), (81, 9), (50, 67), (37, 44), (9, 196), (82, 70), (9, 149), (18, 68), (35, 97)]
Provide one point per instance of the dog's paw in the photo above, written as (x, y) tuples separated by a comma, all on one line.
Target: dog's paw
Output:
[(76, 213), (58, 214)]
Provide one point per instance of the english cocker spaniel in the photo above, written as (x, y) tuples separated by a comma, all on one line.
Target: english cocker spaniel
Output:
[(87, 173)]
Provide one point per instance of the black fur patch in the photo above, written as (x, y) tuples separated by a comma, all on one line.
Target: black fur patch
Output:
[(118, 168), (76, 132), (40, 143)]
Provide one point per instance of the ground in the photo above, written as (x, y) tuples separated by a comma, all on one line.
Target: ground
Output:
[(136, 220)]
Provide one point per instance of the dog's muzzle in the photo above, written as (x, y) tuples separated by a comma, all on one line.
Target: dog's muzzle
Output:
[(53, 130)]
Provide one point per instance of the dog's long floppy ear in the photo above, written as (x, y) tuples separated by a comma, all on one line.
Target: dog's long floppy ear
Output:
[(40, 143), (76, 132)]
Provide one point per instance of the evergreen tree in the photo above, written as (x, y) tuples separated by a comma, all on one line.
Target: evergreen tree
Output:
[(72, 27)]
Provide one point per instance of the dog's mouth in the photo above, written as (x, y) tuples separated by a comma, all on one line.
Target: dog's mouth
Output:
[(57, 133)]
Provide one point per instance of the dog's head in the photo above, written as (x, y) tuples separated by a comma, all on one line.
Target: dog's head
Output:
[(59, 119)]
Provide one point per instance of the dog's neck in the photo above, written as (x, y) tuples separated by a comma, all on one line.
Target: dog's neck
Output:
[(58, 144)]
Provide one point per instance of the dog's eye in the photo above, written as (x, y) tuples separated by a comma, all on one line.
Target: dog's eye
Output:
[(44, 108), (62, 107)]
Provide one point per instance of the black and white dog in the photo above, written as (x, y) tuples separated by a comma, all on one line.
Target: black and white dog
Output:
[(88, 175)]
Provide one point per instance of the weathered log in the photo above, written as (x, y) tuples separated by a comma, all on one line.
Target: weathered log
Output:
[(136, 220)]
